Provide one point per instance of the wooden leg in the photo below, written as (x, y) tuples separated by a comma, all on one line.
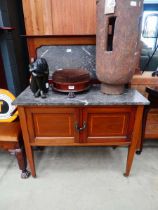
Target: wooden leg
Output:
[(145, 114), (139, 144), (130, 157), (26, 138), (22, 162), (134, 140), (30, 156)]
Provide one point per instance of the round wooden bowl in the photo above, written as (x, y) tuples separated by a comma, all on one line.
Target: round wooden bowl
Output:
[(71, 80)]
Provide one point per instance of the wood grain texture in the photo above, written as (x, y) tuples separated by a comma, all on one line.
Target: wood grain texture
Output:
[(8, 145), (108, 124), (11, 140), (10, 131), (135, 139), (28, 17), (34, 42), (114, 126), (151, 130), (145, 78), (52, 125), (59, 17), (67, 144), (47, 17), (140, 82), (56, 126), (28, 148)]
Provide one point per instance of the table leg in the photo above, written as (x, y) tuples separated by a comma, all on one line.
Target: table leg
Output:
[(145, 114), (22, 162), (134, 140), (26, 138), (30, 157)]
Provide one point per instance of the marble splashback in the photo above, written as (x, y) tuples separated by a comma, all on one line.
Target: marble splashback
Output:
[(72, 56)]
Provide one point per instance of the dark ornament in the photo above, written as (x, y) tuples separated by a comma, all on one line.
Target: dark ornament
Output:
[(71, 81), (39, 77)]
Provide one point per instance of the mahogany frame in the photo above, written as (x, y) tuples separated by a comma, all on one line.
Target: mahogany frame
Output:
[(131, 142), (35, 42)]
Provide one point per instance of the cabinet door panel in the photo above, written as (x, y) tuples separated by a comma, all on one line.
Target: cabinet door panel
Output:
[(108, 124), (52, 125), (59, 17)]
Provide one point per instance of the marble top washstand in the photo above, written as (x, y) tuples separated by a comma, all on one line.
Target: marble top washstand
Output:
[(92, 97)]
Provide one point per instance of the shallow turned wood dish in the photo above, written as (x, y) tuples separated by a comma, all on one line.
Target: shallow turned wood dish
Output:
[(71, 80)]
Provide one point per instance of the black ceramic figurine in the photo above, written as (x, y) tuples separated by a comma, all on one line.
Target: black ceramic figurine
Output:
[(39, 77)]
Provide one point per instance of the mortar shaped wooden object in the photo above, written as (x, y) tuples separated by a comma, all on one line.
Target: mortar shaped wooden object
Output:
[(117, 47)]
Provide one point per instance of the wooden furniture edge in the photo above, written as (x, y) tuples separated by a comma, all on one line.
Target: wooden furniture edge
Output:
[(144, 79), (135, 139), (35, 42), (28, 148)]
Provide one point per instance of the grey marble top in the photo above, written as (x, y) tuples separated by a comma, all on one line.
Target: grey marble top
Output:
[(89, 98)]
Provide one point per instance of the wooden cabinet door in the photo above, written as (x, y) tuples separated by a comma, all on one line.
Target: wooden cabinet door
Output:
[(110, 124), (52, 126), (60, 17)]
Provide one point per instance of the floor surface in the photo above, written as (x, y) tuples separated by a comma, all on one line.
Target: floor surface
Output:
[(83, 178)]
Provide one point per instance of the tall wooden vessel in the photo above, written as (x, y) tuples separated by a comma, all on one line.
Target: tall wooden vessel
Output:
[(118, 30)]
